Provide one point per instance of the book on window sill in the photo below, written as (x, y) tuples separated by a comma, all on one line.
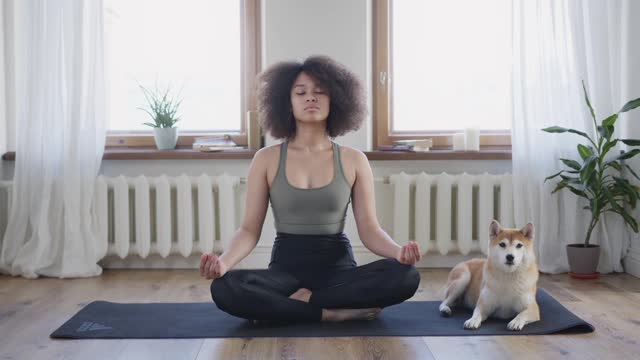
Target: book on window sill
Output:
[(205, 143), (420, 143), (207, 147), (405, 148), (221, 148)]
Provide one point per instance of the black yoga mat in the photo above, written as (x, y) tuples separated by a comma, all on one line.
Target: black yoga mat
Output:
[(101, 319)]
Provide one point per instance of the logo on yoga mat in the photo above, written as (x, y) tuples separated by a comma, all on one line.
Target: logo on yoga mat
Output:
[(91, 326)]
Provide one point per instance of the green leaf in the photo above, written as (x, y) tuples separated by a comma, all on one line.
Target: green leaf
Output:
[(552, 176), (626, 155), (580, 133), (572, 164), (628, 190), (584, 151), (632, 172), (625, 195), (630, 105), (150, 124), (586, 98), (614, 165), (629, 220), (608, 146), (555, 129), (571, 180), (631, 142), (559, 187), (605, 131), (592, 181), (560, 129), (587, 168), (595, 206), (610, 121), (577, 192), (611, 201)]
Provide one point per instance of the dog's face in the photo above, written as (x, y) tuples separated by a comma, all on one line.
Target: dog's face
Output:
[(509, 249)]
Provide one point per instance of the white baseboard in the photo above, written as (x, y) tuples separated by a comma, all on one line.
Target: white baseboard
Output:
[(259, 259)]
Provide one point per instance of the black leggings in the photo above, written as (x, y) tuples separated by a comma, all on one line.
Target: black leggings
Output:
[(323, 264)]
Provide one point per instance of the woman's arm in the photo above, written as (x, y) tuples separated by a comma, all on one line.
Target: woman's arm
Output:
[(364, 209), (257, 202)]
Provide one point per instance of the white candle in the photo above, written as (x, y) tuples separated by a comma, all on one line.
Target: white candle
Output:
[(472, 136), (458, 142)]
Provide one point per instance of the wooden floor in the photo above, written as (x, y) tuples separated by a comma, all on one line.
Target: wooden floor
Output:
[(31, 309)]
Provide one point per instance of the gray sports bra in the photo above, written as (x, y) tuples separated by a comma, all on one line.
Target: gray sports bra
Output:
[(315, 211)]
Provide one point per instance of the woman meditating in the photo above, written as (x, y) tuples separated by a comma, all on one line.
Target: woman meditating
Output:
[(310, 181)]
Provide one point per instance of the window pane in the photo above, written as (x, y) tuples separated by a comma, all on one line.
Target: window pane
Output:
[(451, 64), (191, 45)]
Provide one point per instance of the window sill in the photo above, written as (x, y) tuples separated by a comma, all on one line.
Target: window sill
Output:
[(445, 153), (186, 153)]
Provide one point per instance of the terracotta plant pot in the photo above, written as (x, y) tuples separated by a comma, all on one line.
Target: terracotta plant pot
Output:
[(583, 260)]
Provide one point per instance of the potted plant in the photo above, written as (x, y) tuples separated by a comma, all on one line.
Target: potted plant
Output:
[(162, 108), (593, 176)]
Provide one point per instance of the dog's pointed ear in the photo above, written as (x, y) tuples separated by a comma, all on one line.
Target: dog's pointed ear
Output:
[(528, 231), (494, 229)]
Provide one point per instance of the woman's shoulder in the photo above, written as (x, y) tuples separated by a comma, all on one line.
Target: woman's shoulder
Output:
[(269, 150), (268, 154), (351, 154)]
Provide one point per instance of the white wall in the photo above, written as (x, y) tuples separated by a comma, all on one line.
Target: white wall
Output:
[(295, 29)]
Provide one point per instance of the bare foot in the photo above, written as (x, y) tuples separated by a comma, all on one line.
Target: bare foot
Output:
[(350, 314), (301, 294)]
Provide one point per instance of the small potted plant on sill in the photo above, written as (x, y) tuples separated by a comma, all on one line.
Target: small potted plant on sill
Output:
[(594, 178), (163, 109)]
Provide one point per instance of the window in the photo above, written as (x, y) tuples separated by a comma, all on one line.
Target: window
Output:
[(205, 51), (440, 67)]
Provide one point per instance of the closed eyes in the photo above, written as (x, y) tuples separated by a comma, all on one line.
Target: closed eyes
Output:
[(317, 92)]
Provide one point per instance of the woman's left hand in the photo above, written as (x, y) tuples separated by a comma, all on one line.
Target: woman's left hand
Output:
[(409, 254)]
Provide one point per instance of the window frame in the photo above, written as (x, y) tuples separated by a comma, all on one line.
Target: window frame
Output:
[(249, 68), (382, 90)]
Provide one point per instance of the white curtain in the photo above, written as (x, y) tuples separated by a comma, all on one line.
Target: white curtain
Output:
[(57, 57), (557, 44)]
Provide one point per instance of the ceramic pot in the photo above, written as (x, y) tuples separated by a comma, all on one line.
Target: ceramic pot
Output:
[(583, 260), (166, 138)]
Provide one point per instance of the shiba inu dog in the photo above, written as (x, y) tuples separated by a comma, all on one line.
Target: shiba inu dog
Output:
[(503, 285)]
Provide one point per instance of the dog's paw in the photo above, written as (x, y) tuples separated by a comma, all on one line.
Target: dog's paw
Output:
[(516, 324), (472, 323), (445, 310)]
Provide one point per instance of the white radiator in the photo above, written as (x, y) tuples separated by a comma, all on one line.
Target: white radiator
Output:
[(165, 215), (426, 210)]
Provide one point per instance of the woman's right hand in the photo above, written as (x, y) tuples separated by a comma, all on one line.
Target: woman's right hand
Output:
[(211, 267)]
